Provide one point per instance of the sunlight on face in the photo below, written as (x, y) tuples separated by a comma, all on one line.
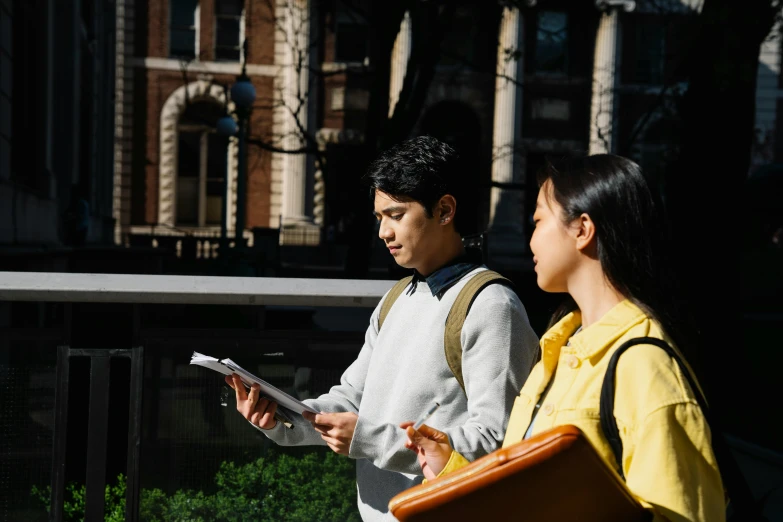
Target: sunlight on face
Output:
[(554, 250), (405, 228)]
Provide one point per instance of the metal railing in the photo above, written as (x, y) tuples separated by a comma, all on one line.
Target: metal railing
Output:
[(196, 290), (87, 358)]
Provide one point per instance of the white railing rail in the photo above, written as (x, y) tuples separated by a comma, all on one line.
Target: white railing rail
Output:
[(172, 289)]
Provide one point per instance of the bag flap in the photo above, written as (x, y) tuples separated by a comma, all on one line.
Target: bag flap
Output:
[(529, 477)]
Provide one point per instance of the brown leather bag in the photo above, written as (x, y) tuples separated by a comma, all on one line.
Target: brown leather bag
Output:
[(554, 476)]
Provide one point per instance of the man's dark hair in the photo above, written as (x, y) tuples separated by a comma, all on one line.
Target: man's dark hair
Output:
[(424, 169)]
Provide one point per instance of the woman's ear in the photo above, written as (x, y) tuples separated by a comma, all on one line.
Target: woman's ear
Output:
[(446, 209), (584, 233)]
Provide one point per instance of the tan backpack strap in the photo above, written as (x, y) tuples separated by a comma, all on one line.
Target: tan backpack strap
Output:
[(391, 297), (452, 343)]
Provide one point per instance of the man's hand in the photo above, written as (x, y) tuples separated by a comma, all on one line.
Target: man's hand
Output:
[(260, 412), (335, 428), (431, 446)]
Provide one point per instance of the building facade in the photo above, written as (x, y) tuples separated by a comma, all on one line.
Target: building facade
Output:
[(56, 123), (511, 86)]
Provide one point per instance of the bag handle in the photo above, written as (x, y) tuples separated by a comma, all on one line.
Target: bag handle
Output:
[(734, 482)]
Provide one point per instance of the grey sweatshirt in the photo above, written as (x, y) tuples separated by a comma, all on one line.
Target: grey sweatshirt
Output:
[(401, 371)]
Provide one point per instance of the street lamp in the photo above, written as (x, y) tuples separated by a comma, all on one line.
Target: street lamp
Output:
[(226, 126), (243, 94)]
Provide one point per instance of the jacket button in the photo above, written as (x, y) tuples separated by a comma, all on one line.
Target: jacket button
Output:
[(573, 361), (548, 408)]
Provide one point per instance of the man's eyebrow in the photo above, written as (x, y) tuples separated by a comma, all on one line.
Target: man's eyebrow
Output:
[(389, 210)]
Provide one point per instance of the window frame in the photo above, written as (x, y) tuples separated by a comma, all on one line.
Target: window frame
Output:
[(356, 20), (196, 28), (658, 76), (240, 34), (534, 68), (204, 133)]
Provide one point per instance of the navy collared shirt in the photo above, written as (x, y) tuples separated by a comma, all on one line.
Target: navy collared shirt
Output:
[(443, 278)]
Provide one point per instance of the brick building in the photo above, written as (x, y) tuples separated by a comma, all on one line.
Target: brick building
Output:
[(554, 77)]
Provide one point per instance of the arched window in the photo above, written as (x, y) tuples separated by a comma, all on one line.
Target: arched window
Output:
[(201, 166)]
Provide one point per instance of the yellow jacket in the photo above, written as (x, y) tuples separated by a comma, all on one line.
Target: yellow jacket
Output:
[(667, 452)]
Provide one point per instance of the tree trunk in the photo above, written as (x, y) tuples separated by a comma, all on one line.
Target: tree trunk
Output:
[(383, 132), (385, 20)]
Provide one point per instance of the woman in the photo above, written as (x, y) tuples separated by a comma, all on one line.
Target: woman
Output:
[(599, 239)]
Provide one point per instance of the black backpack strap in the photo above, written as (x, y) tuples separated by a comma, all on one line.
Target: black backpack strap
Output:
[(606, 408), (744, 506)]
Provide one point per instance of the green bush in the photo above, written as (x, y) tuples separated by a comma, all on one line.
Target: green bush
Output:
[(75, 497), (313, 487)]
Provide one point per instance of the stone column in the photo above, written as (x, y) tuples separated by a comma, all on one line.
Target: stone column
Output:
[(605, 65), (399, 62), (295, 111), (506, 237)]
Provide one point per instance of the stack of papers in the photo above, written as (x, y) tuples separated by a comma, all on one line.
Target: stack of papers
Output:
[(227, 367)]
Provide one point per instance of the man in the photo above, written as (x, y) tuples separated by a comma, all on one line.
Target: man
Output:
[(402, 370)]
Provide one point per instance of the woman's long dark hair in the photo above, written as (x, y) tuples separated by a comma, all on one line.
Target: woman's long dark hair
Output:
[(632, 236)]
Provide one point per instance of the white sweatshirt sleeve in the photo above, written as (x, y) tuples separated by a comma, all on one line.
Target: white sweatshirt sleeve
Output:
[(499, 347), (343, 397)]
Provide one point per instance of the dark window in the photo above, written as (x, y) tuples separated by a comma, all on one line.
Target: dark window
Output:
[(471, 40), (679, 36), (202, 113), (351, 33), (650, 43), (460, 40), (182, 30), (558, 112), (653, 48), (228, 24), (188, 169), (551, 53), (216, 175), (201, 166)]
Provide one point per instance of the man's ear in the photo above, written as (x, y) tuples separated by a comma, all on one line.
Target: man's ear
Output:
[(446, 209), (584, 230)]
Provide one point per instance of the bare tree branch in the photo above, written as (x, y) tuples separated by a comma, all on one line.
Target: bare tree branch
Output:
[(265, 145)]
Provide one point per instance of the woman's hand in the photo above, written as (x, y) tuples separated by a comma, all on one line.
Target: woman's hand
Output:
[(260, 412), (431, 446)]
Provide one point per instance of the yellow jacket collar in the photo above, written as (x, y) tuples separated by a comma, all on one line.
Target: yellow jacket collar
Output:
[(597, 337)]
